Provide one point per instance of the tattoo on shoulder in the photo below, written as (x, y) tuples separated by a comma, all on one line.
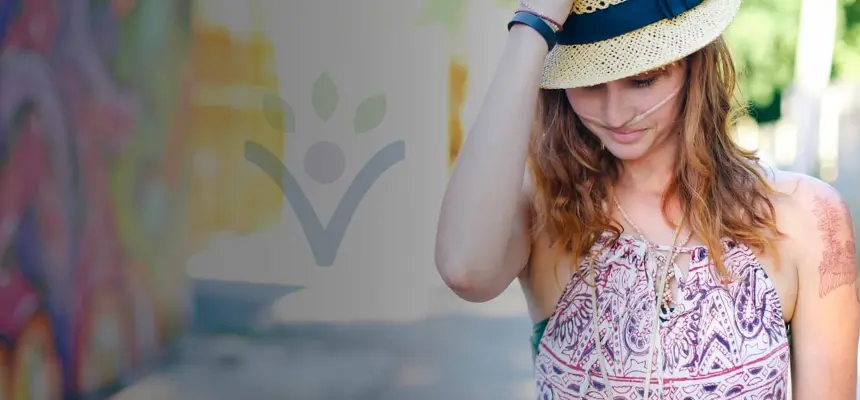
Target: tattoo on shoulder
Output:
[(839, 263)]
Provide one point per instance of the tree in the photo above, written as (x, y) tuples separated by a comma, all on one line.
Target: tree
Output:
[(846, 58), (763, 39)]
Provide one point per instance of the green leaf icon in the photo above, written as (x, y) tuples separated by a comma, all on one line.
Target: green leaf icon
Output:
[(324, 97), (370, 113), (279, 114)]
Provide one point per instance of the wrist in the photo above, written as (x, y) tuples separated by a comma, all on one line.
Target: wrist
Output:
[(546, 28), (559, 17), (527, 40), (551, 22), (555, 18)]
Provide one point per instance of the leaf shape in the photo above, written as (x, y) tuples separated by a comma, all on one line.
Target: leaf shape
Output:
[(370, 113), (279, 115), (324, 97)]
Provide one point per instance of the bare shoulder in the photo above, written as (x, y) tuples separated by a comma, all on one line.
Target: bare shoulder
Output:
[(803, 200), (820, 235), (819, 224), (797, 187)]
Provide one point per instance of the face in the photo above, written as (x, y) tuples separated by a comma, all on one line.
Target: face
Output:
[(635, 116)]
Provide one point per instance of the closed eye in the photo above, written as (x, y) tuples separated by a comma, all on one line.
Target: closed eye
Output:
[(643, 83)]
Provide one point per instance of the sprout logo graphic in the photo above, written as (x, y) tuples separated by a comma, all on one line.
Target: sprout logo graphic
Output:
[(325, 162)]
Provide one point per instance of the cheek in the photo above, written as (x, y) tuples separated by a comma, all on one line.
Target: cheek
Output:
[(634, 103), (666, 117), (582, 102)]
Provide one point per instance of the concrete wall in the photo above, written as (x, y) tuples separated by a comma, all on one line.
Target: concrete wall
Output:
[(91, 191)]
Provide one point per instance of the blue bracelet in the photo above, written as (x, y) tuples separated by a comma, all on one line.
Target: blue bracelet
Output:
[(535, 23)]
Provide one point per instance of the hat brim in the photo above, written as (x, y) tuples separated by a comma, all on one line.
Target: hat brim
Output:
[(658, 44)]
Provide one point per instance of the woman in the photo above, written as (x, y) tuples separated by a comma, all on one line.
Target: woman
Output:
[(663, 260)]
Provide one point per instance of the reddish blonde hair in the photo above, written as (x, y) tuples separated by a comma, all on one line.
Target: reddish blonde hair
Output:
[(720, 186)]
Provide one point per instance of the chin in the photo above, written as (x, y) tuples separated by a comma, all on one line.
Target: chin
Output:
[(628, 152)]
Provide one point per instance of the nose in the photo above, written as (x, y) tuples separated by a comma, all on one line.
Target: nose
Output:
[(615, 113)]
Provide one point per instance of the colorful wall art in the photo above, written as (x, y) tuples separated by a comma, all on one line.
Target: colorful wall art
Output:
[(234, 70), (93, 113)]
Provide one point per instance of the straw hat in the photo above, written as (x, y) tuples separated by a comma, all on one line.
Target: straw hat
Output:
[(605, 40)]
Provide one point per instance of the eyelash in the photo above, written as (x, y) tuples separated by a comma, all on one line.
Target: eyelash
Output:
[(643, 83), (638, 83)]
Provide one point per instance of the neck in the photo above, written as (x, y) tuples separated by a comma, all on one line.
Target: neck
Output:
[(650, 175)]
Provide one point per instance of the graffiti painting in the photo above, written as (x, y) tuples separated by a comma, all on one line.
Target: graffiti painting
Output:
[(91, 191)]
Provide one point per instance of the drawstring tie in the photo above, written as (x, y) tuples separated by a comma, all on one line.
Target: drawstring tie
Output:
[(663, 298)]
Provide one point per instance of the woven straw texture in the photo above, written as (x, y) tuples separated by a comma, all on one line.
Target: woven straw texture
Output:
[(636, 52), (590, 6)]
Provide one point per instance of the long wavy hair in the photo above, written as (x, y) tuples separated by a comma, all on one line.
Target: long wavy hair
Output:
[(720, 187)]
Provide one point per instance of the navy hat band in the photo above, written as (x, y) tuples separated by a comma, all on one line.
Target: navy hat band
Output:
[(619, 19)]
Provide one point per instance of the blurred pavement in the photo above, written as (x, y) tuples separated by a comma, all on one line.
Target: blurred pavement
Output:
[(461, 352)]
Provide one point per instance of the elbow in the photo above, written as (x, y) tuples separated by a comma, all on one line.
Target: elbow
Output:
[(464, 279), (468, 288)]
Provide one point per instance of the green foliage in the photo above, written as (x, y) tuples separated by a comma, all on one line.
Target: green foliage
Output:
[(846, 59), (763, 38)]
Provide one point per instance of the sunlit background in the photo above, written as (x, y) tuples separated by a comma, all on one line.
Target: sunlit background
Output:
[(145, 257)]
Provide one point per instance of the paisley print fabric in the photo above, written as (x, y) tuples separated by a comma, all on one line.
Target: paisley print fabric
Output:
[(720, 340)]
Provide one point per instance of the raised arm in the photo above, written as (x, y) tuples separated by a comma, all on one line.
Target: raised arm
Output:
[(825, 322), (482, 240)]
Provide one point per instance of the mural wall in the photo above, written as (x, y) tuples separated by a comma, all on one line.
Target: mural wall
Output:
[(92, 191), (233, 71)]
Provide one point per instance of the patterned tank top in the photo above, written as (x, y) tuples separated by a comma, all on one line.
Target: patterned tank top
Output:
[(719, 341)]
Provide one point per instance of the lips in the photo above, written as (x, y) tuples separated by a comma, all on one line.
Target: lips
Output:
[(626, 132), (625, 137)]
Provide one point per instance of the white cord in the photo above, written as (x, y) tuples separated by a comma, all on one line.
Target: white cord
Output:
[(598, 345)]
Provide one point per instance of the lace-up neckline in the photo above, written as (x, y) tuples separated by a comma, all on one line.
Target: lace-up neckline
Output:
[(720, 334)]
